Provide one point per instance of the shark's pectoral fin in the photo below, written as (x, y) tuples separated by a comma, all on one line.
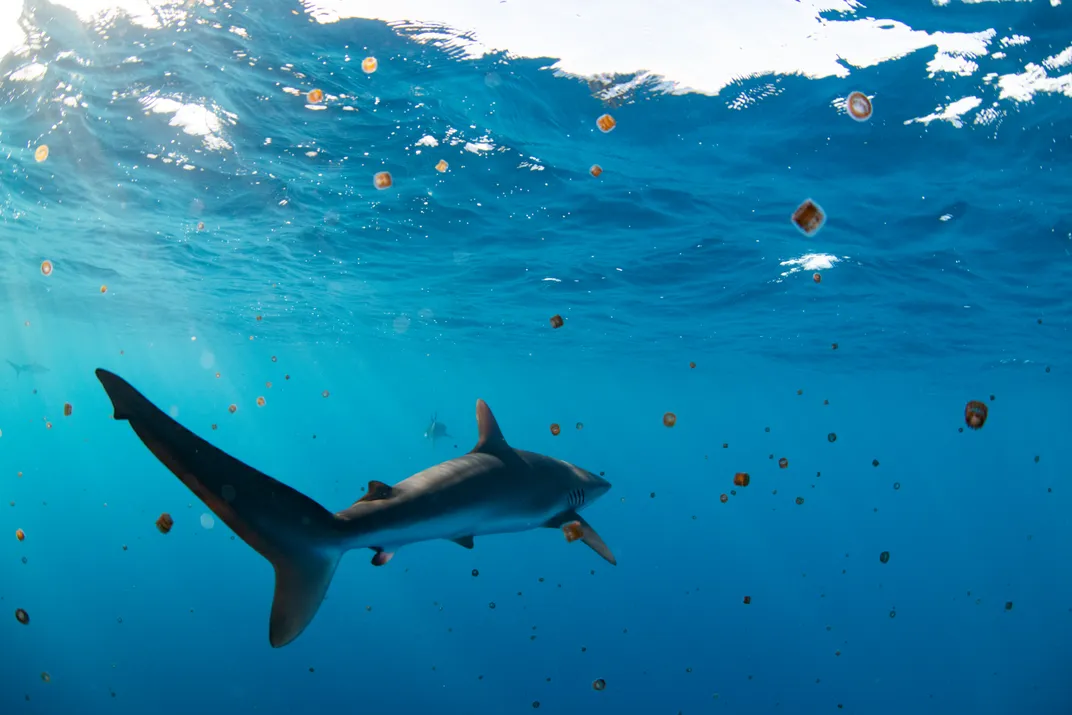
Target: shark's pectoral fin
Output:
[(466, 541), (381, 557), (589, 535)]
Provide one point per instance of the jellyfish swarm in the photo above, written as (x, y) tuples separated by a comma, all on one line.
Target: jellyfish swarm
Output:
[(809, 217), (975, 413), (164, 523), (573, 531)]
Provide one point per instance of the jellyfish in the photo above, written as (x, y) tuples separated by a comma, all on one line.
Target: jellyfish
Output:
[(260, 402), (692, 365), (741, 479), (573, 531), (580, 425), (67, 409), (382, 180), (22, 616), (315, 96), (884, 557), (442, 166), (164, 523), (556, 321), (783, 463), (232, 409), (669, 419), (41, 153), (20, 534), (325, 393), (599, 684), (975, 413), (104, 289), (816, 277), (809, 217), (555, 429), (595, 170), (747, 600), (723, 498), (800, 500), (831, 437), (859, 106), (46, 268), (369, 65)]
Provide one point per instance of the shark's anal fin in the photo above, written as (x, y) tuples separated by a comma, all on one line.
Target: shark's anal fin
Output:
[(466, 541), (377, 491), (590, 536)]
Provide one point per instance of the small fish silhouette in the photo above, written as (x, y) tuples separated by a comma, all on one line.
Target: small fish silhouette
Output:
[(435, 429), (32, 368)]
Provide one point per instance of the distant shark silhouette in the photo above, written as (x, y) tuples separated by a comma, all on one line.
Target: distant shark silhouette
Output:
[(32, 368), (493, 489), (435, 429)]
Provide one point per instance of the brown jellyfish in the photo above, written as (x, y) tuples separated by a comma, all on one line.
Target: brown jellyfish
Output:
[(260, 402), (41, 153), (382, 180), (46, 677), (975, 413), (315, 96), (832, 437), (858, 106), (809, 217), (723, 498), (599, 684), (369, 65), (232, 409), (606, 123), (556, 321), (46, 268), (741, 479), (164, 523), (442, 166), (67, 409), (884, 557), (692, 365), (783, 463), (669, 419), (555, 429), (747, 600), (573, 531), (20, 534), (816, 277), (800, 500), (22, 616), (325, 393), (595, 170)]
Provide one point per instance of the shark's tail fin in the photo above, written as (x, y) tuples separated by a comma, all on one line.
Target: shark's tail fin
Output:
[(297, 535)]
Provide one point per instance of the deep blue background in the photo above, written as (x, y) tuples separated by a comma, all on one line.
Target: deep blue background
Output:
[(429, 295)]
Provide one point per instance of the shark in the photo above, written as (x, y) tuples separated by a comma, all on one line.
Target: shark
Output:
[(31, 368), (493, 489), (435, 429)]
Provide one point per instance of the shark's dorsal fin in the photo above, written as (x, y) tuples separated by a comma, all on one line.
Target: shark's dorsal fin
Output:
[(588, 534), (491, 439), (466, 541), (377, 491)]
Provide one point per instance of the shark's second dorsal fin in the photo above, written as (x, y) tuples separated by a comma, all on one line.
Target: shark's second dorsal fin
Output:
[(491, 439), (377, 491)]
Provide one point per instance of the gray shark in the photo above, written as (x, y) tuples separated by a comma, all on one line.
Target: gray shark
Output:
[(435, 429), (32, 368), (494, 489)]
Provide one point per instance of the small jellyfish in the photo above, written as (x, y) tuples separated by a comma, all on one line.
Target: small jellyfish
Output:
[(896, 486), (747, 600), (975, 413), (741, 479), (833, 346), (215, 426), (816, 277), (599, 684), (325, 393), (46, 677), (369, 65), (232, 409), (555, 429), (884, 557), (260, 402), (382, 180), (22, 616), (893, 614), (800, 500), (315, 96), (104, 289), (783, 463), (606, 123), (200, 225), (723, 498), (442, 166), (164, 523), (809, 217), (669, 419), (475, 573), (692, 365), (556, 321), (1008, 605), (46, 268), (41, 153), (20, 534), (573, 531), (580, 425), (859, 106), (874, 462), (832, 437), (67, 409), (595, 170)]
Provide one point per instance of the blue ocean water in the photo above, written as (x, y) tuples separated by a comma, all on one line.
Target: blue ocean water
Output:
[(214, 238)]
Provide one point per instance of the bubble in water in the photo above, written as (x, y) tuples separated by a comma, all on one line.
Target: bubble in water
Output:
[(207, 521)]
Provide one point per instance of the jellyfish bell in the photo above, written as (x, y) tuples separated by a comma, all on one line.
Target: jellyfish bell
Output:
[(859, 106), (573, 531), (975, 414), (22, 616), (809, 217)]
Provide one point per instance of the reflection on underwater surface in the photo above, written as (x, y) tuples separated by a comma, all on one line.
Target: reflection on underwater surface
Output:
[(834, 437)]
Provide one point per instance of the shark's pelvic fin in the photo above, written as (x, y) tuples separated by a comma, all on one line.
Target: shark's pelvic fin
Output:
[(466, 541), (297, 535), (590, 535), (381, 557), (490, 438)]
